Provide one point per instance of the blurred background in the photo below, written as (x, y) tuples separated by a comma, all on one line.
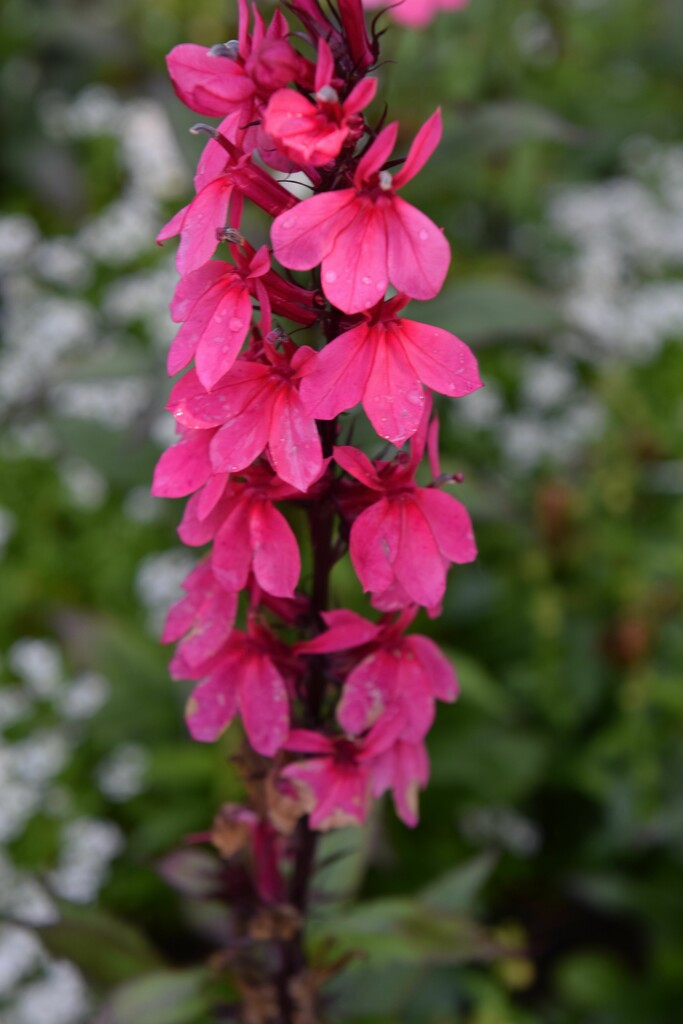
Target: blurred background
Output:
[(551, 841)]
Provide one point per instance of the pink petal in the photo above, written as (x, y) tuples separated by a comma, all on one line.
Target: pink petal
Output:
[(294, 443), (184, 467), (376, 155), (418, 253), (305, 234), (192, 287), (345, 630), (393, 397), (374, 544), (173, 227), (192, 404), (324, 71), (440, 360), (438, 671), (197, 526), (240, 441), (414, 691), (223, 336), (206, 213), (365, 693), (277, 565), (393, 599), (259, 263), (424, 144), (343, 803), (245, 434), (354, 273), (263, 704), (213, 626), (360, 96), (306, 741), (214, 160), (231, 555), (418, 565), (211, 493), (182, 614), (212, 707), (358, 465), (335, 377), (433, 447), (207, 84), (450, 523)]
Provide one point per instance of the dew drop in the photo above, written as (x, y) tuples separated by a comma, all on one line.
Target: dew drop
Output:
[(330, 276), (236, 324), (287, 223), (424, 235), (381, 286), (366, 280)]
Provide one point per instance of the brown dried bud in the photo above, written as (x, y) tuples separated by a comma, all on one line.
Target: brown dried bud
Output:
[(284, 806), (282, 923), (230, 831), (259, 1003)]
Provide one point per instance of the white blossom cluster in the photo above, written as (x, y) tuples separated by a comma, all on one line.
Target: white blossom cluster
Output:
[(622, 282), (619, 274), (50, 320), (43, 717), (158, 583)]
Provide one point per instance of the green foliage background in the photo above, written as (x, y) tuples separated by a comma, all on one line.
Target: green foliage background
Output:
[(543, 884)]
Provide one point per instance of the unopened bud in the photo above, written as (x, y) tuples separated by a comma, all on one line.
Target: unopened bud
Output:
[(327, 94), (385, 181), (277, 335), (204, 129), (231, 49), (229, 235)]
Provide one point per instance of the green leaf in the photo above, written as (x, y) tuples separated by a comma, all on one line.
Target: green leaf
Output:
[(165, 997), (458, 889), (106, 950), (503, 125), (401, 930), (342, 859), (477, 686), (118, 454), (491, 309)]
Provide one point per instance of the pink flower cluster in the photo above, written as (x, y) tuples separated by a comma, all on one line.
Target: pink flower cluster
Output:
[(342, 703), (416, 13)]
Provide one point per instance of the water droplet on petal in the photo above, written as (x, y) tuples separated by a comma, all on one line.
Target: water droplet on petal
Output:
[(330, 276), (366, 280), (287, 223), (381, 286), (424, 235), (236, 324)]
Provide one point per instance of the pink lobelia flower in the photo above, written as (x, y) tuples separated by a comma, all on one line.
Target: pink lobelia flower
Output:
[(232, 80), (366, 236), (250, 533), (256, 537), (335, 783), (404, 542), (215, 304), (396, 673), (256, 406), (203, 618), (314, 133), (222, 179), (242, 676), (383, 362), (417, 13)]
